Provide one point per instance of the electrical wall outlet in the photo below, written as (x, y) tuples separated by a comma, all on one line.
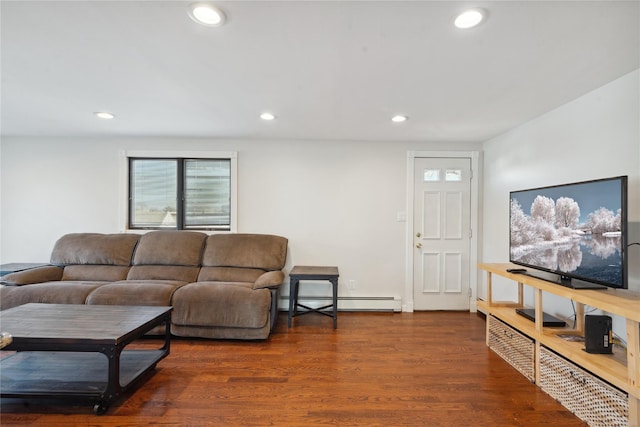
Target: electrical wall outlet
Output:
[(351, 284)]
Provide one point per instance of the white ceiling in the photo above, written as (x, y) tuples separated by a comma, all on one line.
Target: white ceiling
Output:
[(327, 69)]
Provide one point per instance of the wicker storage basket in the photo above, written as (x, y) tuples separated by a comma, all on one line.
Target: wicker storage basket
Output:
[(517, 349), (588, 397)]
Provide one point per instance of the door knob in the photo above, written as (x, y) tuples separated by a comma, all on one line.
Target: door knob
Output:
[(418, 245), (418, 235)]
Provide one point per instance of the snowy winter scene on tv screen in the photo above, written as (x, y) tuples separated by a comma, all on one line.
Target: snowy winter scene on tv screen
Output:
[(574, 229)]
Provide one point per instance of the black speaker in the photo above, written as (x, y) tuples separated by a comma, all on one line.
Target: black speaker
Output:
[(597, 334)]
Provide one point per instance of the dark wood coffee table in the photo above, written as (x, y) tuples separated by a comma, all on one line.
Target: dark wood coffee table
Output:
[(61, 348)]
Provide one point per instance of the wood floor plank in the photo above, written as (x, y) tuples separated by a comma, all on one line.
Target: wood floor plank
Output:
[(376, 369)]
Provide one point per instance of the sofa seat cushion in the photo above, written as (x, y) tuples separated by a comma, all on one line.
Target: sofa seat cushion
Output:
[(70, 292), (135, 292), (106, 273), (221, 304)]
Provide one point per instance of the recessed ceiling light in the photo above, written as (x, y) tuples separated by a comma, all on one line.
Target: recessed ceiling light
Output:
[(206, 14), (469, 18), (267, 116), (104, 115), (399, 118)]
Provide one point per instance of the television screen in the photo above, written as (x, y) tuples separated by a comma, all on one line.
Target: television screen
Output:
[(577, 231)]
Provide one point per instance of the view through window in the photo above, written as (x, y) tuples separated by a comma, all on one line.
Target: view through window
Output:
[(180, 193)]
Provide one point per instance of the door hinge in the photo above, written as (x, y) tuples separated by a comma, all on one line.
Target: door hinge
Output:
[(470, 293)]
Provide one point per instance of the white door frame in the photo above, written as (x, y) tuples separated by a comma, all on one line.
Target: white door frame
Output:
[(407, 301)]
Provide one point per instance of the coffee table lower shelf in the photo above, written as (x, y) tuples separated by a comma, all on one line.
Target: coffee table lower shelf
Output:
[(75, 375)]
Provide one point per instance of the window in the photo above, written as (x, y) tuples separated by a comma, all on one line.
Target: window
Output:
[(431, 175), (454, 175), (450, 175), (181, 193)]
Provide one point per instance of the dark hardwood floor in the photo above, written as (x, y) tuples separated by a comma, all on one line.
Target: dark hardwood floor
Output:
[(376, 369)]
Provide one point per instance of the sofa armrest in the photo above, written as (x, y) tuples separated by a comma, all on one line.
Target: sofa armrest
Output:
[(47, 273), (270, 279)]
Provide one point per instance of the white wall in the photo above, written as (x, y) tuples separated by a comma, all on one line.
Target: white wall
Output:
[(336, 201), (594, 136)]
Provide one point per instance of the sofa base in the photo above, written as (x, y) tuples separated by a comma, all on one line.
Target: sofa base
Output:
[(218, 332)]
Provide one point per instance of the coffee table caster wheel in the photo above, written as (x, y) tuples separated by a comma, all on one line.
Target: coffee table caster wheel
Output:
[(100, 408)]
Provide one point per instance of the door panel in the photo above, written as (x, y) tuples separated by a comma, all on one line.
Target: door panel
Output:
[(431, 215), (452, 269), (431, 272), (453, 218), (442, 217)]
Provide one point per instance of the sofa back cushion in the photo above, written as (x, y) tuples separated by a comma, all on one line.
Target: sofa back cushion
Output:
[(261, 251), (94, 249), (168, 255), (94, 256), (170, 247)]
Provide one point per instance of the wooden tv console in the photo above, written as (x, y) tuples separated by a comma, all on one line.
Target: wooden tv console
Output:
[(620, 369)]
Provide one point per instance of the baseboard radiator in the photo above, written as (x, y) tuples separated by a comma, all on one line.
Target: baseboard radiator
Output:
[(389, 303)]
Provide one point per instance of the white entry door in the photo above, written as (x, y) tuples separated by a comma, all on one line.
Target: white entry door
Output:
[(442, 234)]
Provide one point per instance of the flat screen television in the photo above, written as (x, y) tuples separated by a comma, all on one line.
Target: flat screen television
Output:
[(576, 231)]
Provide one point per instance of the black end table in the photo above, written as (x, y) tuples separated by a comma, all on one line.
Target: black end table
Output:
[(315, 273)]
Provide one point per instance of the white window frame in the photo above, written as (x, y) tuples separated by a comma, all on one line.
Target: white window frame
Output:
[(123, 196)]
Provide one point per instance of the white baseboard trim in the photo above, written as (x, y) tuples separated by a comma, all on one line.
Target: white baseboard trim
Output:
[(473, 307), (348, 303)]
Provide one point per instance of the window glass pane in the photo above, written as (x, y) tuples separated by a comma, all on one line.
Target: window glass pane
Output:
[(207, 190), (453, 175), (431, 175), (153, 193)]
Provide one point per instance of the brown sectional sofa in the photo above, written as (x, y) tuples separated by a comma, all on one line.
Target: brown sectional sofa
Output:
[(221, 286)]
